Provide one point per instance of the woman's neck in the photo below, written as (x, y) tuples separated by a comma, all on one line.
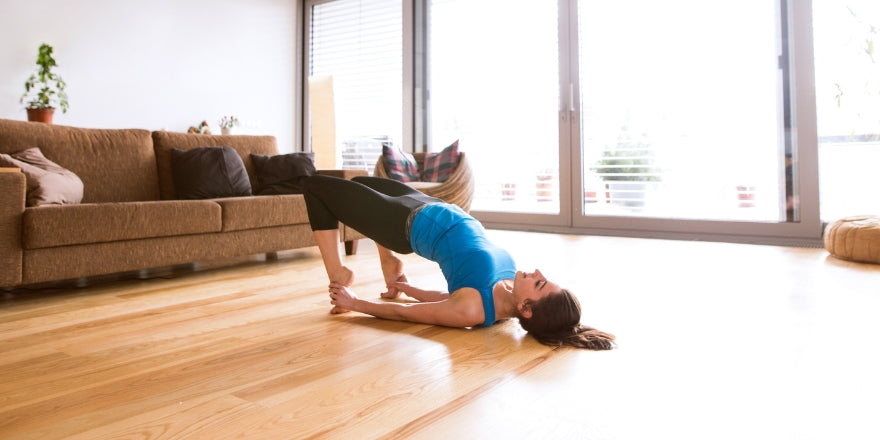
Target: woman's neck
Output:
[(505, 304)]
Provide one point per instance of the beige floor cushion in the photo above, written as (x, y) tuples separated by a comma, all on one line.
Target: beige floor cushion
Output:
[(854, 238)]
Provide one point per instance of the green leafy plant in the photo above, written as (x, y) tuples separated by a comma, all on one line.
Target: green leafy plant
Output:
[(228, 122), (627, 164), (44, 89)]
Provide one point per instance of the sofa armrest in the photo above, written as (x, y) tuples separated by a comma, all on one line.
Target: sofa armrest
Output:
[(13, 189), (345, 174)]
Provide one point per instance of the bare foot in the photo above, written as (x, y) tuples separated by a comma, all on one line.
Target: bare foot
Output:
[(341, 298), (393, 292), (392, 269), (343, 276)]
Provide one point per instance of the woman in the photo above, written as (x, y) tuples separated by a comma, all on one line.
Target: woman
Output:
[(483, 283)]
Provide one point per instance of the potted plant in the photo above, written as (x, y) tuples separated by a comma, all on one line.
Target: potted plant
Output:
[(44, 89), (226, 124)]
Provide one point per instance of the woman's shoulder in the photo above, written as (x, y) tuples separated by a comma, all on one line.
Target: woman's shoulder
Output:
[(469, 303)]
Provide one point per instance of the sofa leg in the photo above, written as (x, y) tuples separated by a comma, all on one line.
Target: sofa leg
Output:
[(351, 247), (271, 256)]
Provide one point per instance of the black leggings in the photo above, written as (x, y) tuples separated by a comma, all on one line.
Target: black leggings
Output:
[(374, 206)]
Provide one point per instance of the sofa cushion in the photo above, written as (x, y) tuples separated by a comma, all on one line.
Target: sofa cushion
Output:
[(42, 265), (115, 165), (399, 165), (241, 213), (164, 142), (438, 167), (47, 182), (284, 173), (63, 225), (209, 172)]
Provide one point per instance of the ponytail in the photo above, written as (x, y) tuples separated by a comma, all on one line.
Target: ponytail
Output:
[(555, 321)]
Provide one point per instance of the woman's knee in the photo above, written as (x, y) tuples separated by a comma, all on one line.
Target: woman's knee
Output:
[(313, 184), (363, 180), (309, 182)]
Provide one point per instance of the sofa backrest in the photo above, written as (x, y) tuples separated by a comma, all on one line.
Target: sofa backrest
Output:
[(115, 165), (244, 145)]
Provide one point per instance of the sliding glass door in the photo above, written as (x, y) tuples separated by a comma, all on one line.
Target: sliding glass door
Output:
[(682, 115), (619, 115)]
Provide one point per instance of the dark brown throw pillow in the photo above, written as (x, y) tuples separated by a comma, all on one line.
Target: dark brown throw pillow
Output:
[(209, 173), (283, 173), (47, 182)]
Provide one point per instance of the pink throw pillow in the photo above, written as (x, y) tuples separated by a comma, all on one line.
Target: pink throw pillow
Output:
[(440, 166), (399, 165)]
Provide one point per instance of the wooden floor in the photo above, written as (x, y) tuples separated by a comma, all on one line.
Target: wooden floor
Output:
[(716, 341)]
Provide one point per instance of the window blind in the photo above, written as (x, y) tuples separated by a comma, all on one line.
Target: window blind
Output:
[(359, 43)]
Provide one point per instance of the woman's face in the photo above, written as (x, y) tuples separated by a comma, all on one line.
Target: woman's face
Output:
[(532, 286)]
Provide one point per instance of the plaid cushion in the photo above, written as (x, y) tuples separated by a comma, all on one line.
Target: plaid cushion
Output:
[(399, 165), (440, 166)]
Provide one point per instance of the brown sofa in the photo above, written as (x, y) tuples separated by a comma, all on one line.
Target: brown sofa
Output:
[(129, 218)]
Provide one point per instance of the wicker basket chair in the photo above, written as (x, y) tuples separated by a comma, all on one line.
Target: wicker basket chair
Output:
[(458, 189)]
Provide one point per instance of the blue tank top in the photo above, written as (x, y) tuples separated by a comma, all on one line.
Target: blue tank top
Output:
[(445, 234)]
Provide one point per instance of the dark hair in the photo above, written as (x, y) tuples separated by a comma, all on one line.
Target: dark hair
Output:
[(556, 321)]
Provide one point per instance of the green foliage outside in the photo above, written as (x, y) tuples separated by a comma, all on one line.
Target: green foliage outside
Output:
[(634, 164)]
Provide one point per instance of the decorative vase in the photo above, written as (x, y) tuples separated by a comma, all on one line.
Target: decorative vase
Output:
[(40, 115), (225, 131)]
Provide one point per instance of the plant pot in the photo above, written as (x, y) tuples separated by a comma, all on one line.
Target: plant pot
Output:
[(746, 196), (544, 188), (591, 196), (508, 191), (225, 131), (40, 115)]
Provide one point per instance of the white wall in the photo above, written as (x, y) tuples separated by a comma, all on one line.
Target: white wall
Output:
[(158, 64)]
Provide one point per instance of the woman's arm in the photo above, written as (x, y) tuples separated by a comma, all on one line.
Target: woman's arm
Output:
[(417, 293), (460, 310)]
